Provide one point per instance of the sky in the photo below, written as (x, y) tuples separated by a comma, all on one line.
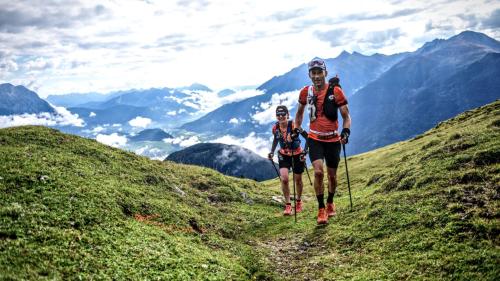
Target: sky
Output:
[(57, 47)]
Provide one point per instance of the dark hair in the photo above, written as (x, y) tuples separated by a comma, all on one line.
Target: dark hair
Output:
[(281, 109)]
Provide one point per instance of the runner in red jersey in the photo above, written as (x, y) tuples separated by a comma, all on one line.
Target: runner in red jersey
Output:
[(290, 155), (324, 139)]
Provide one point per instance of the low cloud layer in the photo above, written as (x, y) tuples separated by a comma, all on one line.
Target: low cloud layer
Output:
[(151, 152), (60, 46), (266, 112), (113, 140), (140, 122), (183, 141), (259, 145), (62, 117)]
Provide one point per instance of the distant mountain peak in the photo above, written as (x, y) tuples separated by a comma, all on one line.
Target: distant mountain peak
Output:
[(344, 54), (465, 37), (228, 159), (196, 87), (476, 38), (470, 35), (6, 85), (19, 100), (155, 134), (226, 92)]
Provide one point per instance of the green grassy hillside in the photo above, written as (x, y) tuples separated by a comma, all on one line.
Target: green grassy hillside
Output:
[(71, 208), (424, 209)]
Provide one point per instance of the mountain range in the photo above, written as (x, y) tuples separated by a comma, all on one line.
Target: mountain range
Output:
[(230, 160), (438, 81), (355, 69), (80, 99), (72, 208), (151, 135), (20, 100), (391, 98)]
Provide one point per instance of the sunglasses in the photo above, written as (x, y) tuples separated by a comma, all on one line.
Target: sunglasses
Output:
[(316, 63), (280, 114)]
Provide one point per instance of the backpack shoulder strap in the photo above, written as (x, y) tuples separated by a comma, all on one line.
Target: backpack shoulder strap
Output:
[(310, 91), (289, 127), (278, 130)]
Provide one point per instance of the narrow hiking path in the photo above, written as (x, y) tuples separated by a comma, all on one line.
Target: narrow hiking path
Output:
[(299, 252), (294, 259)]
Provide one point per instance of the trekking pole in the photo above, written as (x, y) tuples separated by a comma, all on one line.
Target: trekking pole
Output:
[(309, 177), (294, 198), (277, 173), (347, 173)]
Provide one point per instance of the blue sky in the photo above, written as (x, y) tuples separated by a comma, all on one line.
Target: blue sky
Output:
[(56, 47)]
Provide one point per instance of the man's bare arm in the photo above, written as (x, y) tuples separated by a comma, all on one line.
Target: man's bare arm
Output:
[(346, 118), (299, 115)]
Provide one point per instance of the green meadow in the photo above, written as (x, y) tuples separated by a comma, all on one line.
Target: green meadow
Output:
[(424, 209)]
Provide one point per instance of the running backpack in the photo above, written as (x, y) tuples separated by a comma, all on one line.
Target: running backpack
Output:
[(330, 107), (283, 143)]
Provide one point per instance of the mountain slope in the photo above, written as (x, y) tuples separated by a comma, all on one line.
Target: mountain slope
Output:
[(435, 83), (230, 160), (118, 114), (80, 99), (218, 123), (151, 135), (386, 94), (427, 208), (355, 70), (19, 100), (73, 208), (423, 209)]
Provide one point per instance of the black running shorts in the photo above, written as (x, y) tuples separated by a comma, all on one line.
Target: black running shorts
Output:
[(285, 161), (329, 151)]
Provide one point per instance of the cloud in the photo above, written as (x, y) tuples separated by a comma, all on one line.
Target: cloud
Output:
[(98, 129), (493, 21), (140, 122), (259, 145), (194, 4), (352, 18), (172, 113), (151, 152), (470, 20), (7, 65), (20, 15), (205, 101), (96, 41), (336, 37), (233, 121), (241, 95), (378, 39), (266, 112), (38, 64), (92, 114), (173, 41), (105, 44), (62, 117), (287, 15), (183, 141), (114, 139), (396, 14)]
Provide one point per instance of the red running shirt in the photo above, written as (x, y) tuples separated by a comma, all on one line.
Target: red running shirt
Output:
[(323, 124)]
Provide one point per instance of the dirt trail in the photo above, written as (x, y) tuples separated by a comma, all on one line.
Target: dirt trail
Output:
[(296, 258)]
